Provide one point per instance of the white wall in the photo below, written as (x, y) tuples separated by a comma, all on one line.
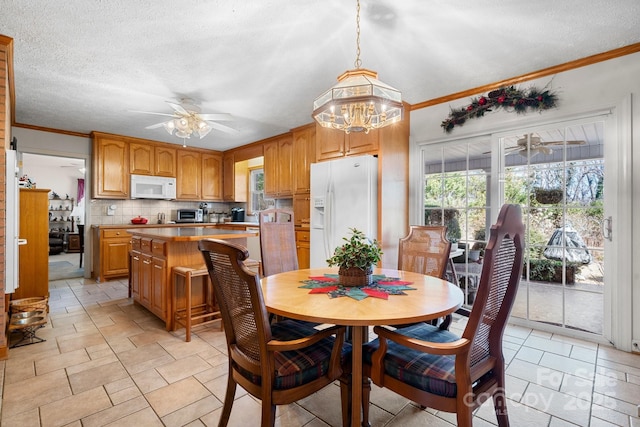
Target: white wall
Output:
[(612, 84)]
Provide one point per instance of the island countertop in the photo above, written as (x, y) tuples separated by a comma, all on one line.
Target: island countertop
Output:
[(190, 234)]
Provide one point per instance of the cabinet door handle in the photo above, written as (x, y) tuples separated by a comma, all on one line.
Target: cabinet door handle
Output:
[(117, 233), (136, 258), (158, 267), (146, 262)]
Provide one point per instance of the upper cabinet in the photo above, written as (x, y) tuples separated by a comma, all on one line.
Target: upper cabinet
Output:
[(110, 167), (198, 172), (141, 159), (278, 159), (149, 159), (228, 172), (165, 161), (189, 175), (212, 177), (331, 143), (304, 153)]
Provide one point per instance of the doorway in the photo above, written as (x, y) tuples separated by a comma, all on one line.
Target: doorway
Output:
[(65, 177)]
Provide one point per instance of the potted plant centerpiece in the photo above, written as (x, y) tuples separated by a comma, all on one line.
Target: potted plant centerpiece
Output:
[(356, 259)]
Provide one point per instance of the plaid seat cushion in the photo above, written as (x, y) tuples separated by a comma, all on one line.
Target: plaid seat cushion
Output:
[(297, 367), (432, 373)]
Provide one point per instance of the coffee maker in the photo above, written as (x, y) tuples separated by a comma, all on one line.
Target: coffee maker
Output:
[(237, 215)]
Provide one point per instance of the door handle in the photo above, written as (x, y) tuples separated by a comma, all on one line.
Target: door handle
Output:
[(607, 228)]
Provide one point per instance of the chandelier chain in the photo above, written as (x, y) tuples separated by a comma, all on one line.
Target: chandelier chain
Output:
[(358, 62)]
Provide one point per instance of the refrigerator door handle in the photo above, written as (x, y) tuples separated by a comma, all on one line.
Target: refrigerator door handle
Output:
[(328, 223), (22, 242)]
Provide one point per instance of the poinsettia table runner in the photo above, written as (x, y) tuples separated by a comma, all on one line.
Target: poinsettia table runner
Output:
[(381, 287)]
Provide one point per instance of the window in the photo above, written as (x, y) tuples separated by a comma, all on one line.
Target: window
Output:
[(257, 201)]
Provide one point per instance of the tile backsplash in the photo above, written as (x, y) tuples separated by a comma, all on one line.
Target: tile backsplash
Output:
[(127, 209)]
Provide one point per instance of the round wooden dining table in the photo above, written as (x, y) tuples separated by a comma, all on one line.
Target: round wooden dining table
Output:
[(431, 298)]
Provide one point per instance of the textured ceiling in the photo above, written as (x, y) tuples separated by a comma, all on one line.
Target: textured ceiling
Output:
[(85, 65)]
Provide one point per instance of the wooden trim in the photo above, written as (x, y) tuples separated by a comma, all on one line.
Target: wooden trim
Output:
[(589, 60), (8, 43), (52, 130)]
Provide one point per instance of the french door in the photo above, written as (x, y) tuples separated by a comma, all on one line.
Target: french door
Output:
[(558, 175)]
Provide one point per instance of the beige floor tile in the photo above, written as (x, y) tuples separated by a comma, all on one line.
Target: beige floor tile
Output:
[(70, 344), (567, 365), (74, 407), (548, 345), (149, 380), (145, 417), (91, 364), (180, 349), (175, 396), (34, 392), (124, 395), (116, 412), (535, 374), (218, 387), (563, 406), (192, 412), (245, 412), (19, 371), (120, 330), (98, 376), (621, 390), (61, 361), (621, 357), (23, 419), (183, 368)]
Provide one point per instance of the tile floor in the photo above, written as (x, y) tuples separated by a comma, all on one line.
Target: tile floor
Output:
[(108, 362)]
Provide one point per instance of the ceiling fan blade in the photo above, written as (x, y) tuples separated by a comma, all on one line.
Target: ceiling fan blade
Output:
[(150, 112), (157, 125), (217, 117), (179, 108), (223, 128), (563, 142)]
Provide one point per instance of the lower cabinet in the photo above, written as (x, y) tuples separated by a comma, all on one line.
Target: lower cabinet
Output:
[(303, 248), (149, 276), (111, 253), (159, 287)]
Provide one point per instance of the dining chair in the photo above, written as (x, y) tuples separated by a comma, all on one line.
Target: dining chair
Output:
[(426, 250), (278, 363), (277, 241), (438, 369)]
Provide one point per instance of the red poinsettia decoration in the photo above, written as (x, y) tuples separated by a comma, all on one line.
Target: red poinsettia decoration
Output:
[(508, 98)]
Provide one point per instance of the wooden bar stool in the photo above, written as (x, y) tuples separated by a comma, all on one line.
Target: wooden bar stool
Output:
[(207, 311)]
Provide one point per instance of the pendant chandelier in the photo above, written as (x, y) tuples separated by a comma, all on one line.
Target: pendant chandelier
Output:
[(359, 101)]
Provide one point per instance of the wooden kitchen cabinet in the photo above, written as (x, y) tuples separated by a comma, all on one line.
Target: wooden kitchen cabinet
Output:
[(332, 143), (33, 269), (303, 248), (145, 280), (141, 159), (110, 167), (111, 249), (278, 159), (164, 161), (212, 179), (304, 154), (302, 210), (228, 179), (189, 175), (158, 298)]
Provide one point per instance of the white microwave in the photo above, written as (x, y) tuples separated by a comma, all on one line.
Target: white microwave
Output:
[(153, 187)]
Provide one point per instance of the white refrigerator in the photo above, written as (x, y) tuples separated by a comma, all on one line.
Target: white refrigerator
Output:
[(344, 195)]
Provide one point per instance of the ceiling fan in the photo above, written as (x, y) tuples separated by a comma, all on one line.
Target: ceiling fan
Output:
[(537, 145), (187, 119)]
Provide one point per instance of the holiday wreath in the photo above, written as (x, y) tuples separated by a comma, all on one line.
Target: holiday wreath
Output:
[(508, 98)]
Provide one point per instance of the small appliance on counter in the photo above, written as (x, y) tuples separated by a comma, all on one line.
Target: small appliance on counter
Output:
[(189, 215), (237, 215)]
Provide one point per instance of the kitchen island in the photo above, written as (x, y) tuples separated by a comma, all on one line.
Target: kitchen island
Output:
[(154, 253)]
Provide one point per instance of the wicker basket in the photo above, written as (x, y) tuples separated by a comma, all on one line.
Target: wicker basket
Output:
[(548, 196), (354, 276), (30, 304)]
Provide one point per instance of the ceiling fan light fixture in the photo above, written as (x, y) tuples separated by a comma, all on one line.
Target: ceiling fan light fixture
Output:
[(363, 101)]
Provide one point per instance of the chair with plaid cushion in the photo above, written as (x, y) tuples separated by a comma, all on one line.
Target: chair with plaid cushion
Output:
[(440, 370), (278, 363)]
